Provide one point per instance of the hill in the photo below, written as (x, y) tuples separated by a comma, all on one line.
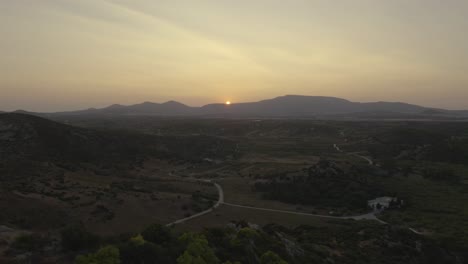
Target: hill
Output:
[(33, 148), (283, 106), (170, 108), (29, 141)]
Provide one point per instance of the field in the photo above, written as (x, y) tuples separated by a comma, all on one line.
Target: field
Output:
[(266, 148)]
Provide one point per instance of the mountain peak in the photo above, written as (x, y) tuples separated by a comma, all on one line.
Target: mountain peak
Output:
[(173, 103), (114, 106), (148, 103)]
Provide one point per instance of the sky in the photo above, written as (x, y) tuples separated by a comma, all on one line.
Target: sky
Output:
[(68, 54)]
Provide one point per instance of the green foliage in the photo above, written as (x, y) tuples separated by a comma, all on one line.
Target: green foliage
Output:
[(137, 240), (357, 242), (247, 233), (148, 252), (76, 237), (28, 242), (244, 237), (155, 245), (326, 185), (157, 234), (105, 255), (198, 251), (271, 258), (440, 173)]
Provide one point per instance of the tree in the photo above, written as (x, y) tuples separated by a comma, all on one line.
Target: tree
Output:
[(105, 255), (134, 253), (245, 237), (198, 251), (137, 240), (157, 234), (271, 258)]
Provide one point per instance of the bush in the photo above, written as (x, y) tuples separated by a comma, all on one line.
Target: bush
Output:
[(105, 255), (271, 258), (157, 234), (28, 242), (198, 250), (442, 174), (78, 238)]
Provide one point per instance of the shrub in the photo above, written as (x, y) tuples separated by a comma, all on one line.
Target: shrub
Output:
[(105, 255), (271, 258), (28, 242), (157, 234), (77, 238), (198, 251)]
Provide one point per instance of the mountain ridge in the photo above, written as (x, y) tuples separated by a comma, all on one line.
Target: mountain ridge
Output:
[(282, 106)]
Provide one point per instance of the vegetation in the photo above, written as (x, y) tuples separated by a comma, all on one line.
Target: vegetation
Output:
[(324, 184), (197, 250), (339, 242), (76, 237), (72, 191), (105, 255), (271, 258)]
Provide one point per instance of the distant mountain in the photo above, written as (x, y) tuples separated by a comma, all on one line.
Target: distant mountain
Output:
[(303, 106), (20, 111), (283, 106), (147, 108), (289, 105)]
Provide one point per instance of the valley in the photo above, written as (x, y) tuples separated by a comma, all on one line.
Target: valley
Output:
[(292, 173)]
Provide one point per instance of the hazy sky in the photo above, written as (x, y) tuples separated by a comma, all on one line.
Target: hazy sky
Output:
[(72, 54)]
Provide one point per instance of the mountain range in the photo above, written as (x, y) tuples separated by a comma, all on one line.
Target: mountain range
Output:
[(279, 107)]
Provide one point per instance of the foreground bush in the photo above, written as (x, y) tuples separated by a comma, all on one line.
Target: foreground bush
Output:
[(106, 255)]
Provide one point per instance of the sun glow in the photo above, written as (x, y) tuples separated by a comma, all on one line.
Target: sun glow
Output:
[(228, 102)]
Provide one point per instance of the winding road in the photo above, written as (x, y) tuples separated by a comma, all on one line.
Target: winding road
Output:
[(369, 216), (370, 161), (218, 203)]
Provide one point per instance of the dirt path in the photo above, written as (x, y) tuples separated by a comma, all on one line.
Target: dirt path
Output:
[(369, 160), (218, 203), (369, 216)]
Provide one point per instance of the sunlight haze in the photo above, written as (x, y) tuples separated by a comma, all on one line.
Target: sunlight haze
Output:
[(67, 54)]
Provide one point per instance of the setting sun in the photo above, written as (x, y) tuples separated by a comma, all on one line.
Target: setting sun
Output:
[(228, 102)]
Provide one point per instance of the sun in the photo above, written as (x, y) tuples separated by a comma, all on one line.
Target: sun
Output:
[(228, 102)]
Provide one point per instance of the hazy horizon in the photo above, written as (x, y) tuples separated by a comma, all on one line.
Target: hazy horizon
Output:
[(200, 105), (62, 55)]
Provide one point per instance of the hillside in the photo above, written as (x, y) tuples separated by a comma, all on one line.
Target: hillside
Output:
[(53, 175), (31, 140)]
